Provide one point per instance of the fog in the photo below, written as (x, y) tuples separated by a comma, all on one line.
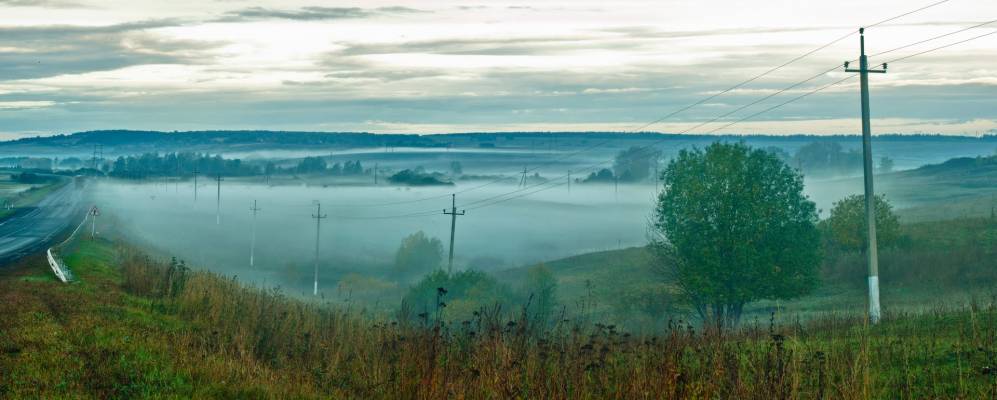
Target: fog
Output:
[(551, 224)]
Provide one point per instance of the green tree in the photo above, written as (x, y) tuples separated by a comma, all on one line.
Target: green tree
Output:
[(846, 227), (733, 227), (635, 163), (418, 254), (462, 294), (311, 165), (885, 164), (541, 285)]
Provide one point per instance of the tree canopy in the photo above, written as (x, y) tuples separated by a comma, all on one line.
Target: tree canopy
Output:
[(733, 227), (846, 227), (635, 163), (418, 254)]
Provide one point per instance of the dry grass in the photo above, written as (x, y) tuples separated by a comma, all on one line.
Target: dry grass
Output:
[(141, 328)]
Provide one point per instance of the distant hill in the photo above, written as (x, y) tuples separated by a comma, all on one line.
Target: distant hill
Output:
[(126, 141), (962, 171), (118, 142)]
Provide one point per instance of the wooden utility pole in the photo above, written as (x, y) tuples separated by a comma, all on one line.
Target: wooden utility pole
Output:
[(870, 205), (318, 228), (375, 173), (195, 184), (218, 201), (94, 212), (453, 227), (252, 243)]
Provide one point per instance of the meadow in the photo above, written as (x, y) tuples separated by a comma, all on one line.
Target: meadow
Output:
[(141, 327)]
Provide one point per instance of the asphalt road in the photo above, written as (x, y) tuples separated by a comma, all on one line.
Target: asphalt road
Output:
[(33, 229)]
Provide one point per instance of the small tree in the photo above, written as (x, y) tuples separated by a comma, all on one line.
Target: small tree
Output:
[(885, 164), (541, 285), (734, 227), (418, 254), (846, 228)]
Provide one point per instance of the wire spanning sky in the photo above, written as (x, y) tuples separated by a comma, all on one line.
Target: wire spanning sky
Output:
[(459, 66)]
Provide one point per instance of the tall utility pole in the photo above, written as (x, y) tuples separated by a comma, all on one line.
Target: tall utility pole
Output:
[(870, 205), (616, 188), (218, 201), (657, 178), (195, 184), (252, 243), (93, 221), (375, 173), (569, 181), (94, 161), (522, 182), (176, 185), (318, 228), (453, 227)]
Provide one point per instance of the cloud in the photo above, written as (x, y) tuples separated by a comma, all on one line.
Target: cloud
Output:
[(44, 51), (43, 3), (313, 13), (23, 105)]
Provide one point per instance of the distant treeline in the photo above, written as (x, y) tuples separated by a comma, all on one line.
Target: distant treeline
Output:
[(179, 164), (125, 141)]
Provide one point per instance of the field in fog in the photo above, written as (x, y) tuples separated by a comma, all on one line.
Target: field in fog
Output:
[(547, 225), (366, 222)]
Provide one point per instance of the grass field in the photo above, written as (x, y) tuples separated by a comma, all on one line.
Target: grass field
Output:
[(134, 327)]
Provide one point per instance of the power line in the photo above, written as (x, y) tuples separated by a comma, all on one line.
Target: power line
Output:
[(488, 201), (933, 38), (908, 13), (669, 115), (939, 48)]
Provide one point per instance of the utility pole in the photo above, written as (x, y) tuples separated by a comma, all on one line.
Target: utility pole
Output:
[(252, 243), (657, 178), (195, 184), (616, 188), (93, 221), (218, 201), (176, 185), (453, 227), (522, 182), (870, 205), (569, 181), (93, 163), (318, 228), (375, 173)]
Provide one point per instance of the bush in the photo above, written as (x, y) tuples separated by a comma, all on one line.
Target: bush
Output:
[(416, 178)]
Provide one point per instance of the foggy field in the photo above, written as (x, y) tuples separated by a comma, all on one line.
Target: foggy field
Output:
[(551, 224), (366, 223)]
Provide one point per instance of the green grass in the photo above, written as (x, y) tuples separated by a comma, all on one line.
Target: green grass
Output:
[(939, 263), (133, 327)]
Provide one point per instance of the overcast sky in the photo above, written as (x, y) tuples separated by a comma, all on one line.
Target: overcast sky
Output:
[(457, 66)]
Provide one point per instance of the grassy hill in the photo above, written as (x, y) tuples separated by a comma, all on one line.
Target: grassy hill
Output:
[(136, 328), (938, 263)]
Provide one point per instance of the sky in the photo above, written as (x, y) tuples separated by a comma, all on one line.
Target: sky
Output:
[(471, 66)]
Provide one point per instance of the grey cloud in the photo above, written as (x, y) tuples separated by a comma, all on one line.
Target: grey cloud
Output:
[(44, 51), (43, 3), (313, 13), (484, 46)]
